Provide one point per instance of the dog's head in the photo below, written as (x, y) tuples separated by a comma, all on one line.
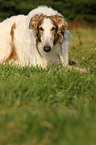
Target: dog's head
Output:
[(49, 30)]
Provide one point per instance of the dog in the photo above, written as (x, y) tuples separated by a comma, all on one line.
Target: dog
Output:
[(39, 38)]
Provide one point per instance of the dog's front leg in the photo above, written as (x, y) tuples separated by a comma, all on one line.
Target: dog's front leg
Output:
[(64, 53), (64, 57)]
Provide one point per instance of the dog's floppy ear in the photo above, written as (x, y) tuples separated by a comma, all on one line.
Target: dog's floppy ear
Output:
[(34, 20), (61, 22)]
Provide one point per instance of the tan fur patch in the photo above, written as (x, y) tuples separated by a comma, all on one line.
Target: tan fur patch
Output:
[(34, 20), (62, 24), (13, 54)]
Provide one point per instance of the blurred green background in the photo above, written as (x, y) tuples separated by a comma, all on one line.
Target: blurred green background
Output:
[(73, 10)]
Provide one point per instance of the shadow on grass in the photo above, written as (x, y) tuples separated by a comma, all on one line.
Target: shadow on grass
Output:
[(72, 63)]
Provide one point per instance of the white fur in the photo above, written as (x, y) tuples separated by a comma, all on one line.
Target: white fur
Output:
[(25, 41), (47, 36)]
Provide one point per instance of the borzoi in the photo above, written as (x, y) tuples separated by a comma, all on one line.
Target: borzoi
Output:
[(39, 38)]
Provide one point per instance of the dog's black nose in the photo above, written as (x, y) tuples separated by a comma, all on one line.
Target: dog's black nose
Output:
[(47, 48)]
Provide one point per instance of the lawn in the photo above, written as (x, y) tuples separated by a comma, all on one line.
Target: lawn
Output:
[(51, 106)]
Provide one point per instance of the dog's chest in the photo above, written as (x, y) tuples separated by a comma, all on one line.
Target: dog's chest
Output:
[(50, 58)]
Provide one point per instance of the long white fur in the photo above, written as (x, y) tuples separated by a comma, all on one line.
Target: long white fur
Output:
[(25, 41)]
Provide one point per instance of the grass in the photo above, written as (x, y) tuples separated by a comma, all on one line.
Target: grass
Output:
[(51, 106)]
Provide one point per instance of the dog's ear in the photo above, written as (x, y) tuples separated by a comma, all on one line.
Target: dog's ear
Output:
[(34, 20), (61, 22)]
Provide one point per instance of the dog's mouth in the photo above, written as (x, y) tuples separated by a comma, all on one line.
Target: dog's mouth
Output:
[(47, 49)]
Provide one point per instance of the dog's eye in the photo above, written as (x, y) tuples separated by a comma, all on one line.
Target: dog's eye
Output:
[(41, 29), (53, 28)]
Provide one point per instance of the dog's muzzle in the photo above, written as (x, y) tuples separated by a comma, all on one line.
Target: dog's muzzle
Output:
[(47, 48)]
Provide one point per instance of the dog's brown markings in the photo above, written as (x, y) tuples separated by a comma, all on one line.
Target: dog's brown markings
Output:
[(13, 55), (38, 32), (62, 25), (34, 21)]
